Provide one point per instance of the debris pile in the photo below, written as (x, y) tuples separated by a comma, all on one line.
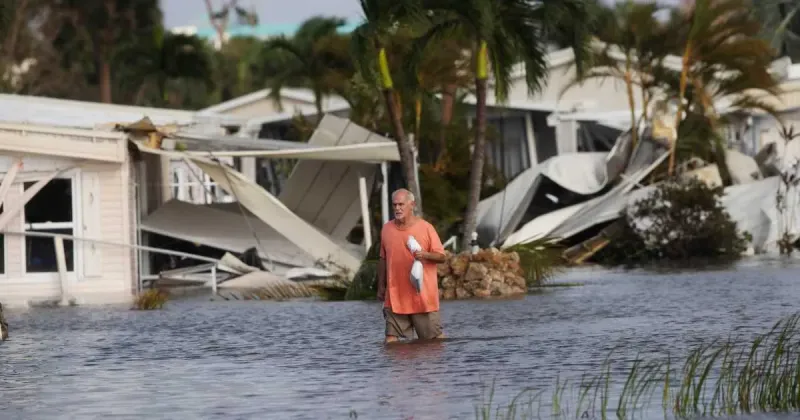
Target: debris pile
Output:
[(488, 273)]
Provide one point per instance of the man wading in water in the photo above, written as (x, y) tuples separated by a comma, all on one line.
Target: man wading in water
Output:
[(403, 307)]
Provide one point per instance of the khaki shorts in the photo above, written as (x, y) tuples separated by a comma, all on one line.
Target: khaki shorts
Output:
[(427, 325)]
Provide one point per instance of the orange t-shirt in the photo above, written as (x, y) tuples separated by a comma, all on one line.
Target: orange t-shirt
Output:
[(401, 295)]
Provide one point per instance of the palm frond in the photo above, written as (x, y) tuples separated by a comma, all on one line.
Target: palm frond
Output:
[(438, 32), (540, 260)]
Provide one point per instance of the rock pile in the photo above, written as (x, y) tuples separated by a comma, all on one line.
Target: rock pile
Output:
[(489, 273)]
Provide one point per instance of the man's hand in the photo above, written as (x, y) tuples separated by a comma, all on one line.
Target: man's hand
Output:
[(381, 294), (421, 255)]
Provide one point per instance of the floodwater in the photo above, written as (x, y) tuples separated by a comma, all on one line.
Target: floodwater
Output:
[(326, 360)]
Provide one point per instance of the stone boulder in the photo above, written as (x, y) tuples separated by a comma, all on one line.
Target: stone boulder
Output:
[(489, 273)]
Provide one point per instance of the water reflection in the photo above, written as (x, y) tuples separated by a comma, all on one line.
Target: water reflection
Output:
[(200, 359)]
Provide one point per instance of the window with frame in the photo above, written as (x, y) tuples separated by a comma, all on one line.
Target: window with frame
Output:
[(49, 211)]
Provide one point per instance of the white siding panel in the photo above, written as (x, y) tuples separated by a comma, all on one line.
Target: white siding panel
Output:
[(92, 228)]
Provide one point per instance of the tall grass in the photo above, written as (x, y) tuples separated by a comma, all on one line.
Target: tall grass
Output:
[(721, 378)]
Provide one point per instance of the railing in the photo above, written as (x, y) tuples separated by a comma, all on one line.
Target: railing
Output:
[(61, 261)]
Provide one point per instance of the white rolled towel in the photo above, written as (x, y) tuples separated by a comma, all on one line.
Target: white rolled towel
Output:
[(416, 268)]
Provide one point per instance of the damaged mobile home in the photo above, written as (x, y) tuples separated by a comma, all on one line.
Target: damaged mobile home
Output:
[(576, 198), (88, 211)]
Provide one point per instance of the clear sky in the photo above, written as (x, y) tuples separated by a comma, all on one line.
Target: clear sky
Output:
[(193, 12)]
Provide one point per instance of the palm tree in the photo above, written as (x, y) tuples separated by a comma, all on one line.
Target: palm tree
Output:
[(442, 68), (780, 25), (505, 32), (148, 69), (634, 44), (316, 61), (724, 59), (382, 19), (102, 27)]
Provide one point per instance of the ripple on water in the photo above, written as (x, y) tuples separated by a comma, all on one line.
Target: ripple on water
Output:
[(199, 359)]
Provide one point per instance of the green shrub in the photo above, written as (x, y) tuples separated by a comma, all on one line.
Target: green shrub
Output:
[(365, 283), (679, 221)]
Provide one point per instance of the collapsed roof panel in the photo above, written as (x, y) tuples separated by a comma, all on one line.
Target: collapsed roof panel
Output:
[(223, 229), (572, 220), (582, 174), (274, 213), (361, 152), (320, 208), (325, 193)]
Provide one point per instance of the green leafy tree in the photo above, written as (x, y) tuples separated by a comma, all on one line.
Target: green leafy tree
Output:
[(368, 43), (504, 33), (319, 60), (723, 60), (151, 70), (101, 27), (634, 46), (780, 26), (678, 221)]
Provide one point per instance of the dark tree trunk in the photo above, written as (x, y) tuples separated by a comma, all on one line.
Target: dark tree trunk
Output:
[(406, 155), (448, 101), (476, 170), (105, 81)]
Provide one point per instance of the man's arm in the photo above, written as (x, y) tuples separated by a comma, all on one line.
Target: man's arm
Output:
[(436, 252)]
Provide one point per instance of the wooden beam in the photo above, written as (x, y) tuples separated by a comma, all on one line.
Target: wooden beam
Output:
[(9, 179)]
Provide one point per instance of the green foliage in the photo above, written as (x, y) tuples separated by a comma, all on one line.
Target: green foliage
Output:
[(319, 60), (364, 285), (365, 282), (445, 182), (780, 26), (516, 32), (167, 70), (721, 378), (540, 260), (679, 221), (724, 378)]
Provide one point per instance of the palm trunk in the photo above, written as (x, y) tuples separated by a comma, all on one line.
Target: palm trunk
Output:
[(417, 116), (406, 155), (479, 150), (645, 103), (684, 75), (105, 81), (448, 101), (631, 105), (318, 103)]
